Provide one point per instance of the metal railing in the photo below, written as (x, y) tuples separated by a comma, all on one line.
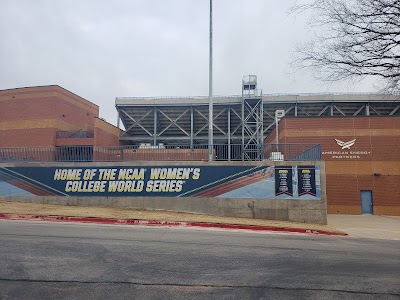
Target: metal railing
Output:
[(265, 95), (293, 152), (145, 152)]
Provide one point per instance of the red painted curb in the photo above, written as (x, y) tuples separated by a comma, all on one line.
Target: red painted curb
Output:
[(163, 223)]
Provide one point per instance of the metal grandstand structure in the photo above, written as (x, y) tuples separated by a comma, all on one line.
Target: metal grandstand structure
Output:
[(245, 119), (252, 119)]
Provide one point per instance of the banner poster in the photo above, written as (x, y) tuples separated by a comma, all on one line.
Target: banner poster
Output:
[(223, 181), (283, 181), (306, 180)]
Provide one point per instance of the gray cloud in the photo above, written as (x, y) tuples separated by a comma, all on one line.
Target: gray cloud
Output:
[(104, 49)]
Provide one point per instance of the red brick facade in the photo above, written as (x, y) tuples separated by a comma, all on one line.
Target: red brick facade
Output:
[(32, 117), (372, 163)]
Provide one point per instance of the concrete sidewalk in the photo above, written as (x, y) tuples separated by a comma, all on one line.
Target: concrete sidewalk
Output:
[(367, 226)]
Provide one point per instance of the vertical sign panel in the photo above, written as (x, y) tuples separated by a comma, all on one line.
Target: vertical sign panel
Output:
[(283, 181), (306, 180)]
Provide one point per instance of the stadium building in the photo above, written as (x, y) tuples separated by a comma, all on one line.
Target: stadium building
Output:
[(357, 134), (51, 116)]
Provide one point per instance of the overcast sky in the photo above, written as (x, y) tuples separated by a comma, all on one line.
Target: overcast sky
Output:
[(131, 48)]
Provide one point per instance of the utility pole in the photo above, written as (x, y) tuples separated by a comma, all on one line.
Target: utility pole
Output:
[(210, 96)]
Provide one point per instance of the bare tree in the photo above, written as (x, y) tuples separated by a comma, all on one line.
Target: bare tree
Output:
[(357, 38)]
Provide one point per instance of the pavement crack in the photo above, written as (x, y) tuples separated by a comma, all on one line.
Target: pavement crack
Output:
[(223, 286)]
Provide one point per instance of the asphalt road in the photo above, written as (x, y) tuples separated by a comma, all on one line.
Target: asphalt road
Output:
[(41, 260)]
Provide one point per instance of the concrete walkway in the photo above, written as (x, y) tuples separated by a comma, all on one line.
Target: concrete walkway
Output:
[(367, 226)]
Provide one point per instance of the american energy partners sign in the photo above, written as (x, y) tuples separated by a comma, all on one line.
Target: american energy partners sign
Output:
[(183, 181), (344, 151)]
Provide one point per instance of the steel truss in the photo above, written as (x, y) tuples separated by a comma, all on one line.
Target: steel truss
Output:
[(252, 119), (237, 119)]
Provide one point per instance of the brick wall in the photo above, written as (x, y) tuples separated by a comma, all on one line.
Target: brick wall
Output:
[(372, 163), (105, 134), (32, 116)]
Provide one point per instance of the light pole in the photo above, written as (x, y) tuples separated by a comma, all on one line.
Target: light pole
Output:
[(210, 96)]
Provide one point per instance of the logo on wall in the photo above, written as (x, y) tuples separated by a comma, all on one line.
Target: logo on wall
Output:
[(346, 152), (345, 145)]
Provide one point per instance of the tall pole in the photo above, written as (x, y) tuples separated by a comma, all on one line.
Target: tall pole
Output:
[(210, 96)]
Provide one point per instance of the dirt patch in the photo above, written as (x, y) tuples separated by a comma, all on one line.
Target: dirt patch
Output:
[(159, 215)]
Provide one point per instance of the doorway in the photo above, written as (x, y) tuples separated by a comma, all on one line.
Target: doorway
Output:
[(367, 207)]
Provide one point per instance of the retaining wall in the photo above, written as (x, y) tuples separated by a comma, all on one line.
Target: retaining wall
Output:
[(242, 194)]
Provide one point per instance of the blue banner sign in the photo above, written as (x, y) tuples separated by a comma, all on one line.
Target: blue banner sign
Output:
[(283, 181), (179, 181)]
